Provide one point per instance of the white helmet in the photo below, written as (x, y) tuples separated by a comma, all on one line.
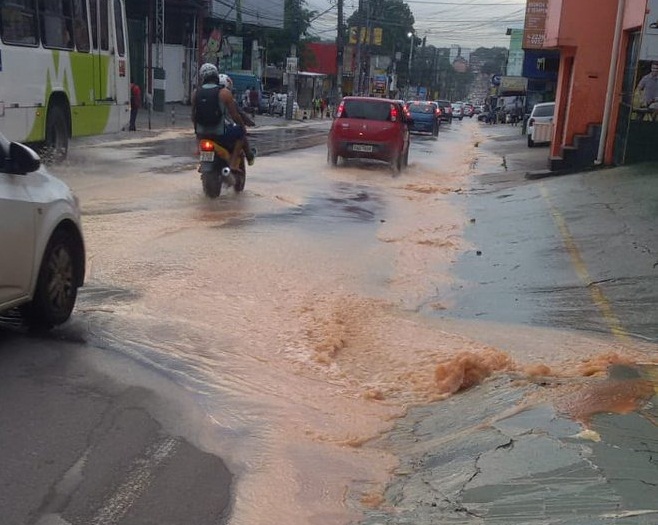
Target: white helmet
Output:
[(208, 71), (225, 81)]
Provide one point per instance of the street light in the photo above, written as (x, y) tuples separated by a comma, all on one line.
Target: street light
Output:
[(411, 52)]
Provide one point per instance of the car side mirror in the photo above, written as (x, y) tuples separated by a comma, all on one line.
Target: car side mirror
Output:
[(21, 159)]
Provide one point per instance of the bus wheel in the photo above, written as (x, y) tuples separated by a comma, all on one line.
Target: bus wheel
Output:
[(57, 135)]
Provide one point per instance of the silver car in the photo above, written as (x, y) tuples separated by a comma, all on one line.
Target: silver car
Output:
[(42, 252), (457, 110)]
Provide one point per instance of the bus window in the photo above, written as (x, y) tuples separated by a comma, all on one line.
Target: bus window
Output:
[(93, 13), (118, 23), (96, 19), (80, 25), (18, 22), (105, 41), (56, 23)]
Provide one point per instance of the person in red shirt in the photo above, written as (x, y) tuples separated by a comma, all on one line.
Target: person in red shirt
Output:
[(135, 104)]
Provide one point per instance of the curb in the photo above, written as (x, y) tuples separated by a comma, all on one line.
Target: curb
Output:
[(543, 174)]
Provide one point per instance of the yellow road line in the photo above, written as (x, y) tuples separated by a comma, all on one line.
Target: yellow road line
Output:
[(595, 291)]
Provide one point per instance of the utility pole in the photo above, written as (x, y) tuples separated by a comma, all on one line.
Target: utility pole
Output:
[(357, 73), (368, 36), (340, 43)]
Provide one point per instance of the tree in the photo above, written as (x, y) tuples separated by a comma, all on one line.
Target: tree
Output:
[(395, 19), (296, 23), (493, 59)]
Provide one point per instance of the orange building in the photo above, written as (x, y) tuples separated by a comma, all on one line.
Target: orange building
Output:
[(584, 33)]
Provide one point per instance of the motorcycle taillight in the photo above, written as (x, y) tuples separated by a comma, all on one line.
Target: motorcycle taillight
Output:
[(206, 145)]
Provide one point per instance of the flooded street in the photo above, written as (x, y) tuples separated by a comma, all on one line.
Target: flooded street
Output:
[(326, 321)]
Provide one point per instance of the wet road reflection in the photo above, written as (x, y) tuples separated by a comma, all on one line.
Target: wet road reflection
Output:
[(309, 313)]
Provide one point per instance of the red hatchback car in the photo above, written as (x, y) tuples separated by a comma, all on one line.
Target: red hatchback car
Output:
[(372, 128)]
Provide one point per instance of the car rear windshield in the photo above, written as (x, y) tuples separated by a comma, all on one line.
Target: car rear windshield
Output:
[(367, 110), (421, 108), (543, 111)]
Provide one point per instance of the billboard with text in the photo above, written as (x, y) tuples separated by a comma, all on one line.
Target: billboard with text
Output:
[(535, 23)]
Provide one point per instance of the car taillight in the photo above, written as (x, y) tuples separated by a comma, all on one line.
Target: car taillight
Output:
[(531, 122), (438, 112), (394, 113), (341, 108), (207, 145)]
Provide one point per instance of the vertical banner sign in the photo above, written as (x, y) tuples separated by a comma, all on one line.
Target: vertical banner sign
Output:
[(645, 93), (535, 22), (649, 47)]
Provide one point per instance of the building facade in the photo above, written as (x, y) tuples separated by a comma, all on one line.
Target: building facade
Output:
[(600, 116)]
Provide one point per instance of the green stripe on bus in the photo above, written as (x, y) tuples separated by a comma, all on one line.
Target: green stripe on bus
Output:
[(88, 116)]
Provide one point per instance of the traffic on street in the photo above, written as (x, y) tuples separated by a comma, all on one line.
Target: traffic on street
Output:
[(328, 263), (341, 344)]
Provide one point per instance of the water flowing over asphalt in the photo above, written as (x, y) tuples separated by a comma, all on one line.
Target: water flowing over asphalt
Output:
[(308, 314)]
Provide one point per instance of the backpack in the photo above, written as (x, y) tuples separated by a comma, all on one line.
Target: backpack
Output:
[(208, 111)]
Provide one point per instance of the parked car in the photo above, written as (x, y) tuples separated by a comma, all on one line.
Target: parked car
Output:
[(446, 109), (469, 110), (426, 117), (541, 113), (369, 127), (42, 253), (457, 110)]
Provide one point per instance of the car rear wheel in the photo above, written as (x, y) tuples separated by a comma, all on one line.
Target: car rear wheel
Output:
[(332, 158), (396, 163), (57, 284)]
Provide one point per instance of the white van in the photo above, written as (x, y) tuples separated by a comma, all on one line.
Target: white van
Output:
[(540, 123)]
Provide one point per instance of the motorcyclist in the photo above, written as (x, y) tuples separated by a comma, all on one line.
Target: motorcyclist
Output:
[(215, 115)]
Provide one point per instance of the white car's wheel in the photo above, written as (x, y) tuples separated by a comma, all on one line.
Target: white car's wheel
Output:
[(57, 284)]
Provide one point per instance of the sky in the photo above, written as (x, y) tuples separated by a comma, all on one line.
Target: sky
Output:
[(468, 23)]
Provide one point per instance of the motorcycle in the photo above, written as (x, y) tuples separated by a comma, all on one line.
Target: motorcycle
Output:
[(215, 169)]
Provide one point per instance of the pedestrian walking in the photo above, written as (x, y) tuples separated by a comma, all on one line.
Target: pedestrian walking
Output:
[(135, 104)]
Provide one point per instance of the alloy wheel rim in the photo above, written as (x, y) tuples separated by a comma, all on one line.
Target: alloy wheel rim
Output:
[(61, 278)]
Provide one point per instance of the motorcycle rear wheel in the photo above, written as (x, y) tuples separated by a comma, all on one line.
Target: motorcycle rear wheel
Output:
[(212, 184)]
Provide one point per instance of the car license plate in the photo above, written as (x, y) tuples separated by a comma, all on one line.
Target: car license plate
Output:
[(362, 147), (207, 156)]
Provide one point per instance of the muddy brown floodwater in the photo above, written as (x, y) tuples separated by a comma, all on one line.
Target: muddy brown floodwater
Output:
[(291, 312)]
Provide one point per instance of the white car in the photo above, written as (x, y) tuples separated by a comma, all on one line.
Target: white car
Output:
[(42, 252), (457, 110), (541, 113)]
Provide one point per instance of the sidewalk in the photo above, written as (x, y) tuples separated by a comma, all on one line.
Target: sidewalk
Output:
[(177, 117)]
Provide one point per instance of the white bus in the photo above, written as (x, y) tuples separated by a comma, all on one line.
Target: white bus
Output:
[(64, 70)]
